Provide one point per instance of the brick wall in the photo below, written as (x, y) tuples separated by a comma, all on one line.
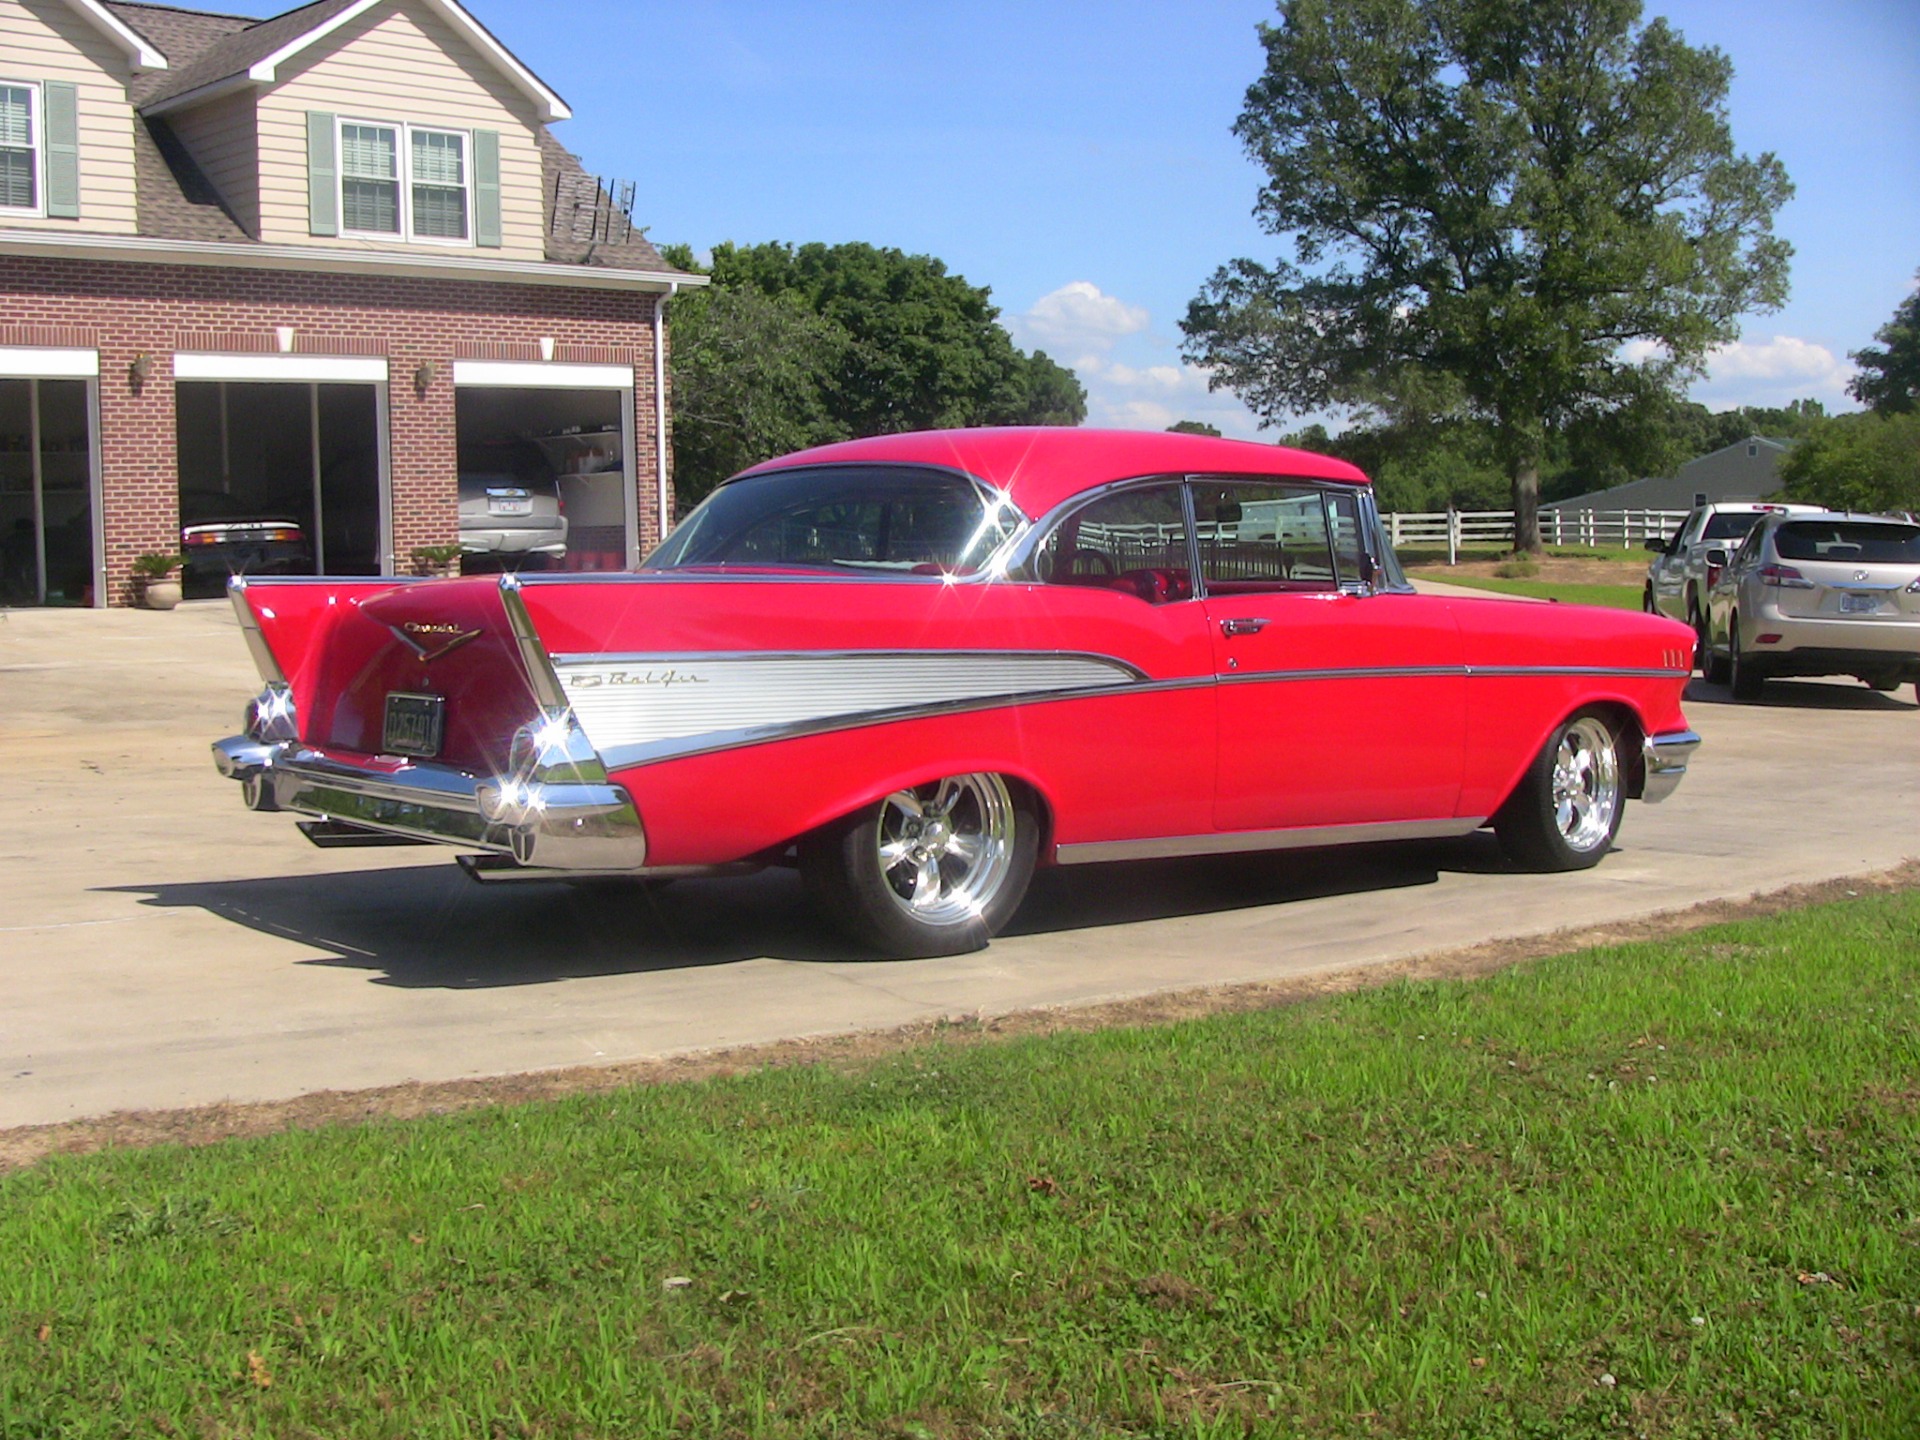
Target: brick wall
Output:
[(153, 310)]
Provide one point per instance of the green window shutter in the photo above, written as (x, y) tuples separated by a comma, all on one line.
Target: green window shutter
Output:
[(486, 188), (61, 102), (323, 176)]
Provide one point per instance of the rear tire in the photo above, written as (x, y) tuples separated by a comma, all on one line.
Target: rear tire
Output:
[(934, 870), (1566, 810), (1746, 676), (1702, 646)]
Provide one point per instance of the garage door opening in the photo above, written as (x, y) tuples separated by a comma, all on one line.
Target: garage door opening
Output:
[(545, 480), (46, 493), (278, 479)]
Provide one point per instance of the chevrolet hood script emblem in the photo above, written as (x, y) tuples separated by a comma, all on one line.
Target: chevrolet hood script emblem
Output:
[(429, 639)]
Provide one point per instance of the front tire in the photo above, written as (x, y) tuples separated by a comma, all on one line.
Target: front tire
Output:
[(933, 870), (1702, 640), (1566, 810)]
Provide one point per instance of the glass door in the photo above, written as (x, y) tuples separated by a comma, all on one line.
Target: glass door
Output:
[(46, 493)]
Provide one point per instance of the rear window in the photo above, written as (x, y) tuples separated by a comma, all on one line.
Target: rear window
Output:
[(860, 518), (1842, 540), (1730, 525)]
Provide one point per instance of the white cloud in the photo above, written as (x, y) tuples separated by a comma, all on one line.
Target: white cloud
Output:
[(1774, 372), (1078, 320)]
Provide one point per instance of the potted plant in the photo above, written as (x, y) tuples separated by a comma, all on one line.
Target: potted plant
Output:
[(154, 580), (435, 560)]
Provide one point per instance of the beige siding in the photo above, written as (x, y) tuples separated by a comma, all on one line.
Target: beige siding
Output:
[(44, 40), (222, 138), (398, 62)]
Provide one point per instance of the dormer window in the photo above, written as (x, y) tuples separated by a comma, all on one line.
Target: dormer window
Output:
[(404, 181), (19, 148)]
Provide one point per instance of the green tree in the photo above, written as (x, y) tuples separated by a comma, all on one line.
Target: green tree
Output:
[(1193, 427), (1889, 378), (926, 349), (1489, 201), (1858, 462), (792, 347)]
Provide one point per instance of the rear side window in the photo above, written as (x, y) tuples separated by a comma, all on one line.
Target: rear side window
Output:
[(1845, 540), (1134, 541), (1730, 525)]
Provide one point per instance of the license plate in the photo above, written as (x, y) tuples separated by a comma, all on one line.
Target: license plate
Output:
[(1859, 604), (414, 724), (509, 507)]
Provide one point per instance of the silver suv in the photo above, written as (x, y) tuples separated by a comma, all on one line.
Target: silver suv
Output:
[(1817, 594), (1677, 577)]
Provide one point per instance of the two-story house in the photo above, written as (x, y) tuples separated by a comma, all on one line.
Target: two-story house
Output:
[(322, 289)]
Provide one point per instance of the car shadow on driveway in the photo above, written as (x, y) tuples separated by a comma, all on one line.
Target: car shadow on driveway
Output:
[(429, 927), (1805, 695)]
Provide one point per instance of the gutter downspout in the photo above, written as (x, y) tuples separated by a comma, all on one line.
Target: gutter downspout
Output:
[(660, 405)]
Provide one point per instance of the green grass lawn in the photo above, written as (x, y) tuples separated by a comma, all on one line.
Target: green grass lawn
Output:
[(1619, 597), (1667, 1189), (1417, 555)]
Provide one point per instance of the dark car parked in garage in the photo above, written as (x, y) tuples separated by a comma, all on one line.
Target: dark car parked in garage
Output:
[(224, 535)]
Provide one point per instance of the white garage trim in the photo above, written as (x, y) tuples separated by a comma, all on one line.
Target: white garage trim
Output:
[(309, 369), (542, 375), (39, 362)]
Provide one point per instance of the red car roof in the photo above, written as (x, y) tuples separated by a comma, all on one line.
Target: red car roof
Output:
[(1039, 466)]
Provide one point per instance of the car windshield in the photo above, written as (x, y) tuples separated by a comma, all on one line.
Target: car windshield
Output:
[(1885, 541), (874, 519), (1730, 525)]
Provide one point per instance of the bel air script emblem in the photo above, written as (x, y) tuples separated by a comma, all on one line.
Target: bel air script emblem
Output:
[(664, 679), (429, 639)]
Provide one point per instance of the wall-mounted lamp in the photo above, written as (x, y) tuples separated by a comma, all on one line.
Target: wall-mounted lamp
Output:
[(423, 374), (138, 370)]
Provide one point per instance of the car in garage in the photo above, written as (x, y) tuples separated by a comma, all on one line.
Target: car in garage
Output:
[(1817, 593), (918, 666), (223, 535), (511, 513)]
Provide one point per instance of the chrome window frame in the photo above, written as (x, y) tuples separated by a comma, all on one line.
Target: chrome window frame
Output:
[(1022, 561)]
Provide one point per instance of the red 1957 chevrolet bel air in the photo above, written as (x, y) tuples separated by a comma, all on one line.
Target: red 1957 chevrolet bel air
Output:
[(920, 665)]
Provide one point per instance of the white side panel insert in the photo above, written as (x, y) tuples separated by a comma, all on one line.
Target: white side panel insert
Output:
[(648, 707)]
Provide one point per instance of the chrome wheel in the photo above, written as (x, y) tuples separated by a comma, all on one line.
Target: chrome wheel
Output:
[(1566, 809), (946, 849), (1585, 785)]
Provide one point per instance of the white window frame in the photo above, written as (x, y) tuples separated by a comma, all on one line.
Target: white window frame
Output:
[(403, 164), (36, 122)]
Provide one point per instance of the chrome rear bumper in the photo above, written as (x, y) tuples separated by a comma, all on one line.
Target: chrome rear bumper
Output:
[(557, 822), (1664, 761)]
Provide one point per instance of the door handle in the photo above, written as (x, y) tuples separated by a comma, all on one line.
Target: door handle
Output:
[(1243, 625)]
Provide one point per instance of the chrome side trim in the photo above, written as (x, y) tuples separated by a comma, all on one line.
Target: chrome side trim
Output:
[(1237, 841), (1630, 672), (623, 757), (652, 699), (1664, 762)]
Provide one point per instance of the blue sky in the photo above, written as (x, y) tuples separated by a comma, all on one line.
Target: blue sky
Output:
[(1075, 157)]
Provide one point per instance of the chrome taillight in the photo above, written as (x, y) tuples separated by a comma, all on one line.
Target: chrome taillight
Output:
[(1784, 576)]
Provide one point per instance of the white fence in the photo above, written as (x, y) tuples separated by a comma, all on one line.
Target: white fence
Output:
[(1454, 528)]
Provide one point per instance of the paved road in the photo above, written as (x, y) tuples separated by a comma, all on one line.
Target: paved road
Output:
[(162, 946)]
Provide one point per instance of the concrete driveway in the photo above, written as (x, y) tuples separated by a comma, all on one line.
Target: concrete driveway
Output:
[(161, 946)]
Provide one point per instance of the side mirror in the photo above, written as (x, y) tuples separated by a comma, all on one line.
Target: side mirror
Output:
[(1655, 544), (1716, 563)]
